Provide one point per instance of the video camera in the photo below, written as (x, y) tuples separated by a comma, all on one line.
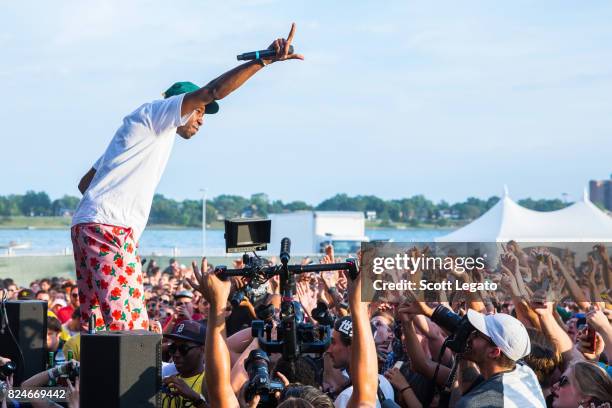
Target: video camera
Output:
[(254, 280), (70, 371), (294, 337)]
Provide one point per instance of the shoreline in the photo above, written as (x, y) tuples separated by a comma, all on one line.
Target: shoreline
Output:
[(180, 227), (59, 223)]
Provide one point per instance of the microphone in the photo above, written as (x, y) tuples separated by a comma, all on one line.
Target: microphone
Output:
[(285, 250), (253, 55)]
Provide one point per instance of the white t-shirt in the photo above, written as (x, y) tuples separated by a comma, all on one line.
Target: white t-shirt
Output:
[(127, 174), (385, 386)]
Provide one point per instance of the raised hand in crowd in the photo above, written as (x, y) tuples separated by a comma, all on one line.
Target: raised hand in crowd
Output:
[(363, 360), (216, 292), (306, 292), (598, 321)]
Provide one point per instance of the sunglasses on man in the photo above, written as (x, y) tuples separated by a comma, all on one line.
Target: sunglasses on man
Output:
[(183, 349)]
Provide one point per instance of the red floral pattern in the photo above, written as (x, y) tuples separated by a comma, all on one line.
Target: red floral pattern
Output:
[(109, 276)]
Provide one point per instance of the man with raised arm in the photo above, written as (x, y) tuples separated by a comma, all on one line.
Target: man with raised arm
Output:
[(118, 193)]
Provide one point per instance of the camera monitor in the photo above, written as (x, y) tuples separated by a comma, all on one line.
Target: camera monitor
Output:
[(246, 235)]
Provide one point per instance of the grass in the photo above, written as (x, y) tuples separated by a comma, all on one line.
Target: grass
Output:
[(20, 222)]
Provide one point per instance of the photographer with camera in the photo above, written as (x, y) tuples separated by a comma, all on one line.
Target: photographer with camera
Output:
[(67, 374), (495, 343)]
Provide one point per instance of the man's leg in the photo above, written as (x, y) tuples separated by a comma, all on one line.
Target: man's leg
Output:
[(109, 276)]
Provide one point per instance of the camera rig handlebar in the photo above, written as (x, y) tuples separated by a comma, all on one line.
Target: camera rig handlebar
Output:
[(270, 271)]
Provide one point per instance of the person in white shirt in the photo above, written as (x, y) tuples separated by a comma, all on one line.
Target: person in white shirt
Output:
[(340, 354), (118, 193)]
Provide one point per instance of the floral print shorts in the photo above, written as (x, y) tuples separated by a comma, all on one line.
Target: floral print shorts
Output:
[(109, 276)]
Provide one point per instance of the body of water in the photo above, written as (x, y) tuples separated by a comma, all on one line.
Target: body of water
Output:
[(172, 242)]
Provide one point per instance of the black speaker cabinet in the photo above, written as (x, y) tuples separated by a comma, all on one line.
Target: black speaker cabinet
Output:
[(26, 330), (120, 369)]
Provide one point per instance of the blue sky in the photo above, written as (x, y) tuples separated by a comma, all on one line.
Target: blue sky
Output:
[(447, 99)]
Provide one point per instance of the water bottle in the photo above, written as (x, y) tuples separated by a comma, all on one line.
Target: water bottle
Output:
[(60, 359)]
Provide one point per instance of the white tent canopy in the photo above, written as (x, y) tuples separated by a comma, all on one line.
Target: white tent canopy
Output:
[(506, 220)]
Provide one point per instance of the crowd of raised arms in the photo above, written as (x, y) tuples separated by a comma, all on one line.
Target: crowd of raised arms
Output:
[(524, 349)]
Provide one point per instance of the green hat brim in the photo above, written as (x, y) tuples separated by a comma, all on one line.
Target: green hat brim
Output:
[(212, 108)]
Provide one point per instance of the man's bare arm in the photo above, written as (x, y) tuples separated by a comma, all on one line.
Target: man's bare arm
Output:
[(86, 180), (364, 361), (227, 83)]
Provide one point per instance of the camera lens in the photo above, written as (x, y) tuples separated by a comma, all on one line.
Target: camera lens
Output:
[(257, 368), (237, 298), (446, 318), (7, 370)]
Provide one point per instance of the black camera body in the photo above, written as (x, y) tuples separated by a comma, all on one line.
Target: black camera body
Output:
[(73, 369), (322, 314), (260, 383), (459, 327), (7, 370)]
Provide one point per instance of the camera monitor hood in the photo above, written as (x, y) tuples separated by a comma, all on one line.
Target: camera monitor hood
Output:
[(247, 234)]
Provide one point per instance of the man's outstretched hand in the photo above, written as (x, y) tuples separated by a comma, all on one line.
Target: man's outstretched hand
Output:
[(281, 46), (214, 290)]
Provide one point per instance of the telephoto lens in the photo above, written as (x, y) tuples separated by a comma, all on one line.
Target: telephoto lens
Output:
[(260, 383), (446, 318), (256, 366), (237, 298), (459, 327)]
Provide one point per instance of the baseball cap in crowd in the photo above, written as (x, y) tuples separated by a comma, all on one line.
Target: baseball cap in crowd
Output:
[(183, 293), (506, 332), (189, 330), (25, 294), (60, 302), (185, 87), (344, 326)]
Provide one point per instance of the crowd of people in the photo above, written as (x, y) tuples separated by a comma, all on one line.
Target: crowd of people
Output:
[(523, 348)]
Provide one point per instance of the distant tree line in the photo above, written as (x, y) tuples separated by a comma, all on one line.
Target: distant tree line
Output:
[(414, 210)]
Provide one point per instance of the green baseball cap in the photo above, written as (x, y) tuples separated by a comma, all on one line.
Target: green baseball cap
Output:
[(184, 87)]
